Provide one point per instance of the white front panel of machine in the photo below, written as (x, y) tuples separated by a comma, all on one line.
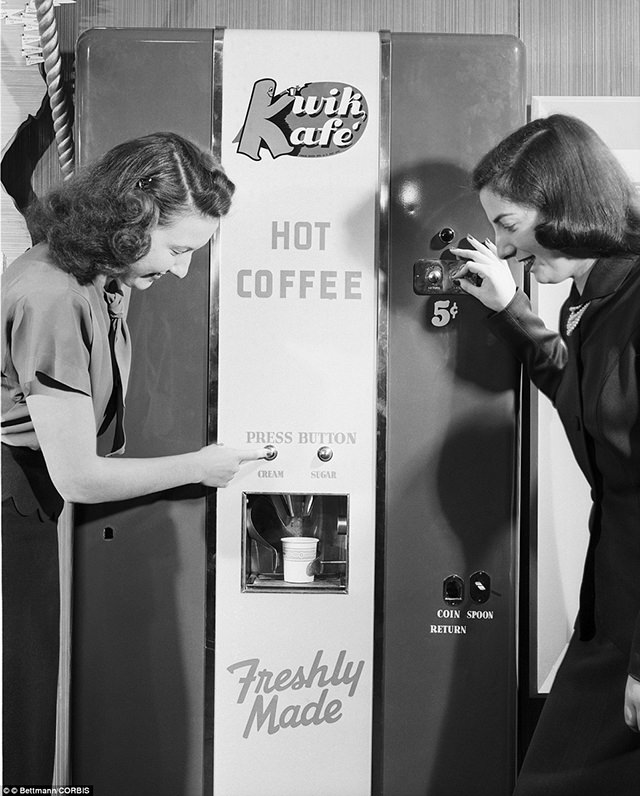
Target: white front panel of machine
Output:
[(297, 370)]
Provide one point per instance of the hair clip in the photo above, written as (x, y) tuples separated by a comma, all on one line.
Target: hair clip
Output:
[(144, 183)]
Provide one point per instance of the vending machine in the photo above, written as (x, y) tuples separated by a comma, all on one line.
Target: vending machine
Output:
[(340, 619)]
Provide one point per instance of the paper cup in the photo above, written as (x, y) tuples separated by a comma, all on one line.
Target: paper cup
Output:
[(299, 552)]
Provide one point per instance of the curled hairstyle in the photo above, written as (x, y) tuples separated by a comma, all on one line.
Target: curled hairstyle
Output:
[(561, 167), (100, 221)]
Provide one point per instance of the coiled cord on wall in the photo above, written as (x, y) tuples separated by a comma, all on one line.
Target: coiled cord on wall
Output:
[(53, 75)]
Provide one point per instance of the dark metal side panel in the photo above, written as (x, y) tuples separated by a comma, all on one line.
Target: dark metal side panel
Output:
[(139, 598), (449, 682)]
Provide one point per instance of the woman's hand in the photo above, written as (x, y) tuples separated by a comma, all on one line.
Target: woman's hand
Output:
[(498, 286), (66, 430), (632, 704), (221, 464)]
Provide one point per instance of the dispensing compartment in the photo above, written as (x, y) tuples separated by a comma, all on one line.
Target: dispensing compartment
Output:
[(270, 520)]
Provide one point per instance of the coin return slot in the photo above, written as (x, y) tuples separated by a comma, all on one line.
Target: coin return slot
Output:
[(453, 590)]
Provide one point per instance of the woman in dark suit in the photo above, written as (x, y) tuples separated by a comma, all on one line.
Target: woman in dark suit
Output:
[(560, 203)]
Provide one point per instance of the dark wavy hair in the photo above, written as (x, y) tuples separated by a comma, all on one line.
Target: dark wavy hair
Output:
[(560, 166), (100, 220)]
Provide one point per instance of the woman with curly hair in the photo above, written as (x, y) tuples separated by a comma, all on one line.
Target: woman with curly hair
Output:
[(561, 204), (123, 222)]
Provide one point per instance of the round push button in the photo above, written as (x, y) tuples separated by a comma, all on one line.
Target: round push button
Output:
[(271, 453), (447, 234), (325, 454)]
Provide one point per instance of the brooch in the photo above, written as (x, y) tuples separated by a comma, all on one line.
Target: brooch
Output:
[(573, 319)]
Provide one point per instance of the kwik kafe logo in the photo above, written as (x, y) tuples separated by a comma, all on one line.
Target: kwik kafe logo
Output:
[(310, 121)]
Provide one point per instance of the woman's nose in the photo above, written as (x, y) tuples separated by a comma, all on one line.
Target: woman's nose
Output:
[(181, 268), (505, 248)]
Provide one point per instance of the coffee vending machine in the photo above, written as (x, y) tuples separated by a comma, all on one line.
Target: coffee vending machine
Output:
[(341, 619)]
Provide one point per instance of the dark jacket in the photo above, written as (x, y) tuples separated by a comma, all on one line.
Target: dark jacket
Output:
[(592, 376)]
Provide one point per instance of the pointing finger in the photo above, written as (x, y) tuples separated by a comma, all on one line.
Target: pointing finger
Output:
[(255, 455)]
